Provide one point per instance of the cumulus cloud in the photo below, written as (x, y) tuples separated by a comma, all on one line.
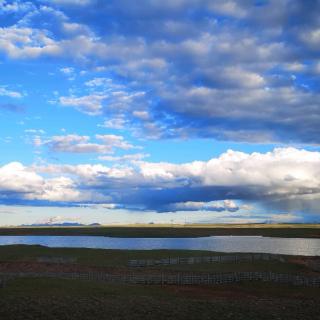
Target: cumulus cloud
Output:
[(284, 179), (9, 93), (67, 70), (74, 143), (70, 2), (106, 97), (226, 205), (26, 43), (118, 122), (125, 158), (102, 82), (15, 178), (15, 6), (20, 184), (91, 104), (35, 131), (182, 76)]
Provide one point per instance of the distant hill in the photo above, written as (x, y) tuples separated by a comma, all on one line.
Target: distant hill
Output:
[(63, 224)]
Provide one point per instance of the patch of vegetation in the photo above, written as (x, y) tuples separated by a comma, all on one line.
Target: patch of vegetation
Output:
[(53, 299), (120, 258)]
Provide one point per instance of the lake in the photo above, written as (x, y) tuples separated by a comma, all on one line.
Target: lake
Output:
[(288, 246)]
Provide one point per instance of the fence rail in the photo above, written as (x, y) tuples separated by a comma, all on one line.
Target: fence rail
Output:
[(60, 260), (174, 279), (209, 259)]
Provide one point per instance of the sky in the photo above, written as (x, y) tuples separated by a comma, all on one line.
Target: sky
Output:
[(171, 111)]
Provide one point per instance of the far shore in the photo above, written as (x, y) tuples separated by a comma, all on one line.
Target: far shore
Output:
[(171, 230)]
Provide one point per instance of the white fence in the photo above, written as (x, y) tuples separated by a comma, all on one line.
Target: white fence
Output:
[(174, 279), (209, 259), (60, 260)]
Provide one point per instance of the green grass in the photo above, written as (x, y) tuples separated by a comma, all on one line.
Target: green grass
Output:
[(176, 231), (96, 257), (119, 259), (53, 299), (78, 288), (258, 266), (57, 299)]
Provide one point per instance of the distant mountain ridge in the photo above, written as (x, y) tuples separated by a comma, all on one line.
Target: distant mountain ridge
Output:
[(63, 224)]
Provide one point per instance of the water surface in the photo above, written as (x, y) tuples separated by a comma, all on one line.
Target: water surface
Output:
[(289, 246)]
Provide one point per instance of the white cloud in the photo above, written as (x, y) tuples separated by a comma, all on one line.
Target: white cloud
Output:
[(218, 206), (90, 104), (20, 182), (283, 176), (27, 43), (240, 77), (31, 43), (9, 93), (142, 115), (67, 70), (102, 82), (15, 6), (16, 178), (111, 98), (125, 158), (35, 131), (72, 28), (61, 189), (118, 122), (115, 141), (285, 170), (194, 70), (227, 7), (311, 38), (73, 143), (70, 2)]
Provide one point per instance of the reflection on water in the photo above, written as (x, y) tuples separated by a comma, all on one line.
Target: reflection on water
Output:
[(292, 246)]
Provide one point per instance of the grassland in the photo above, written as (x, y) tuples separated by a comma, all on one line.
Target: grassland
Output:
[(53, 299), (100, 258), (175, 231), (49, 299)]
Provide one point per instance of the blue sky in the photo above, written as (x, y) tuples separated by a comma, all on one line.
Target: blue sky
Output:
[(181, 110)]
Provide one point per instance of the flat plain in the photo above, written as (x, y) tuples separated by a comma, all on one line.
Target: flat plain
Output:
[(66, 299), (174, 230), (47, 298)]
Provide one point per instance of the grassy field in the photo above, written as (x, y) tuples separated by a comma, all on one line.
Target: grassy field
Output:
[(55, 299), (119, 259), (49, 299), (175, 231)]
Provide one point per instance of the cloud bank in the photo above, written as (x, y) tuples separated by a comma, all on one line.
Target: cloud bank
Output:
[(276, 179)]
